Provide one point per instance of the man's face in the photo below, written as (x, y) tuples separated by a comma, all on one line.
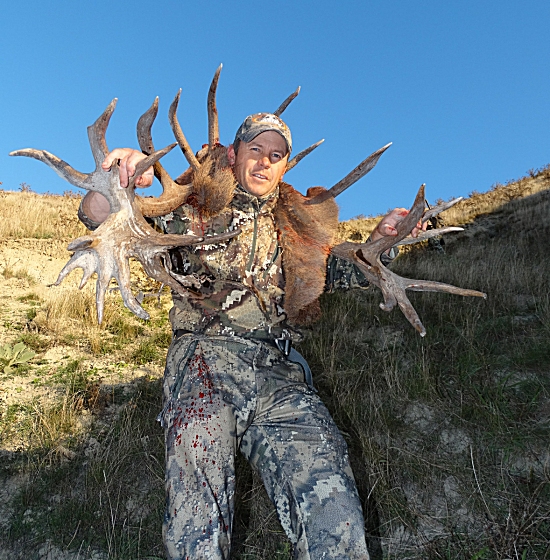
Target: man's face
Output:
[(260, 164)]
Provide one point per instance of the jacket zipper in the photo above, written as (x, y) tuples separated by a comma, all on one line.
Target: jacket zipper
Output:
[(254, 240)]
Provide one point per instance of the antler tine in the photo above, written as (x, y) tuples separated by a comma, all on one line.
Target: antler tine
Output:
[(180, 137), (213, 123), (298, 157), (286, 103), (360, 171), (412, 218), (435, 210), (144, 126), (424, 235), (62, 168), (96, 134), (403, 228), (173, 194)]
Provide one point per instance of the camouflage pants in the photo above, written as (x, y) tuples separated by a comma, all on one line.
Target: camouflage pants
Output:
[(224, 394)]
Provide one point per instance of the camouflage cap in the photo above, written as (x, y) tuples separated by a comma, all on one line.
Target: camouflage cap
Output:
[(262, 122)]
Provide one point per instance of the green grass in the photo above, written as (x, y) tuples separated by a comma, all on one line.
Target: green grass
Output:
[(152, 349), (34, 340)]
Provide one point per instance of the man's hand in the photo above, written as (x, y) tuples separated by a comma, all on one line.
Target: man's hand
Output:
[(94, 205), (388, 225), (127, 166)]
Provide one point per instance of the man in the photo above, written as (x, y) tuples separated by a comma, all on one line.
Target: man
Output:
[(231, 381)]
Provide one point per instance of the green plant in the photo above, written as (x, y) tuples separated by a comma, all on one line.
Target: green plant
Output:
[(13, 355), (34, 341)]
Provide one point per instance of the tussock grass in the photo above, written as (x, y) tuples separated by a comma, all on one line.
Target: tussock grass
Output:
[(70, 316), (46, 430)]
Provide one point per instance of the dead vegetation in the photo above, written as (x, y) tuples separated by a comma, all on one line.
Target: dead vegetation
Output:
[(25, 215), (448, 435)]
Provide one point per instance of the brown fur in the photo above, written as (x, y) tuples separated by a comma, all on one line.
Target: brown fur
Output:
[(306, 234), (213, 184)]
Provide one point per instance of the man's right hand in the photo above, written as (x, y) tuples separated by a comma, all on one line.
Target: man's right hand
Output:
[(129, 158)]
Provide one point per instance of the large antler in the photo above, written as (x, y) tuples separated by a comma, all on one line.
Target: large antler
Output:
[(125, 233), (366, 256), (173, 194)]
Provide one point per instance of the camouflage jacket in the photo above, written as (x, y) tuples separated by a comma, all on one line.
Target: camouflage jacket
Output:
[(237, 287)]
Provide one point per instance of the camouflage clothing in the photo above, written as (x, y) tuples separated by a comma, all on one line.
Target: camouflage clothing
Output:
[(227, 387), (237, 287), (224, 394)]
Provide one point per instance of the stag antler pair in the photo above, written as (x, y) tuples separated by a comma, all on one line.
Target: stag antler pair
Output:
[(126, 234)]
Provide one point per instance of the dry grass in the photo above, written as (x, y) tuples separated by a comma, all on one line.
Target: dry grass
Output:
[(448, 435), (30, 215), (452, 430), (468, 210), (69, 316)]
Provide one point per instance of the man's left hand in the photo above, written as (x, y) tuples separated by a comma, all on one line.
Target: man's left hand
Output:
[(388, 225)]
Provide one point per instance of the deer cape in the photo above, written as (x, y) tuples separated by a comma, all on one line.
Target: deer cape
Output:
[(306, 234)]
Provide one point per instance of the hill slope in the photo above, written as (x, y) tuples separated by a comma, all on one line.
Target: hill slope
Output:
[(448, 434)]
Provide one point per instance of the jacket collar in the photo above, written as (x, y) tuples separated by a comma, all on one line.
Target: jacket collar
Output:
[(245, 201)]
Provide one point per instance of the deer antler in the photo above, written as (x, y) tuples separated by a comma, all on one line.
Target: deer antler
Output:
[(287, 102), (366, 256), (173, 194), (352, 177), (298, 157), (124, 233), (213, 126)]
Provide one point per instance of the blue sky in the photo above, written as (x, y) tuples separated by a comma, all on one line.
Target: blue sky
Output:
[(461, 88)]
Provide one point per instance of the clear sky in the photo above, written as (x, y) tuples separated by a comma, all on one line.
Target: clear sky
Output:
[(461, 88)]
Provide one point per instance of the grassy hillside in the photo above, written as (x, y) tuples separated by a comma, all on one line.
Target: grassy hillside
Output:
[(448, 434)]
